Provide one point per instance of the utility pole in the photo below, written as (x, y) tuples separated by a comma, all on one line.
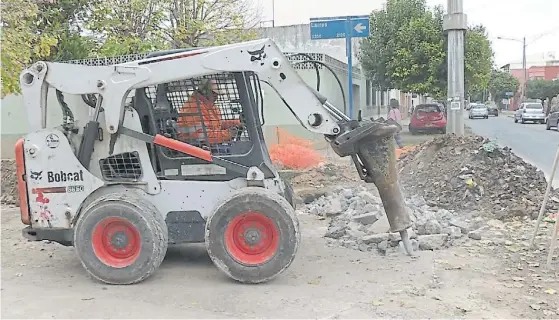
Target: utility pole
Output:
[(455, 24), (524, 72), (273, 13)]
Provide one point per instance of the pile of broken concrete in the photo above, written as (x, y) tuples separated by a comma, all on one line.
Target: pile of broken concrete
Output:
[(358, 221), (474, 173)]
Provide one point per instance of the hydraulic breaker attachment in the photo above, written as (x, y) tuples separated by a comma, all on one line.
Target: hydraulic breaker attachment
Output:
[(371, 146)]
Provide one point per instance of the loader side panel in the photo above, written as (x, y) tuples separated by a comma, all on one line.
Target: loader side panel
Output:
[(57, 183)]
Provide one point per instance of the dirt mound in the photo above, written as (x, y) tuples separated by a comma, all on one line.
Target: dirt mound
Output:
[(9, 183), (473, 173)]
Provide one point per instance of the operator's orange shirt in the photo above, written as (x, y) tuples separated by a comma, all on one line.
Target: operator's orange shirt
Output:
[(192, 124)]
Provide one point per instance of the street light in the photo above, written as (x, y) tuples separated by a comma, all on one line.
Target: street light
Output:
[(524, 71)]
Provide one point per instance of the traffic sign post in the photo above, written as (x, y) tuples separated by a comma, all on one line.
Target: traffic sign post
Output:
[(347, 27)]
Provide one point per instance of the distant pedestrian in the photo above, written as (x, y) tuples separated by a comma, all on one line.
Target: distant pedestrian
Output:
[(395, 115)]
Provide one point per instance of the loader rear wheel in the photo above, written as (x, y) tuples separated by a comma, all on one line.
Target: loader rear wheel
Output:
[(253, 236), (120, 238)]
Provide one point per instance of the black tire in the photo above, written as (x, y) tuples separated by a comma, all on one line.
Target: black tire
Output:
[(251, 207), (515, 120), (443, 131), (137, 221), (413, 131), (289, 194)]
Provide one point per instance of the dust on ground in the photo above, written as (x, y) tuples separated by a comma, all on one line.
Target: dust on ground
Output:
[(475, 280)]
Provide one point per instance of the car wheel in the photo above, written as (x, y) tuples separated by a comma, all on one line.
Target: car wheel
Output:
[(543, 122), (515, 120)]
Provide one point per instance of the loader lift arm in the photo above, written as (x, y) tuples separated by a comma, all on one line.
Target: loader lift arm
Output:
[(369, 143)]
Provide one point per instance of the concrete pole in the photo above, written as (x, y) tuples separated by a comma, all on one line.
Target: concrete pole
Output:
[(524, 72), (455, 24)]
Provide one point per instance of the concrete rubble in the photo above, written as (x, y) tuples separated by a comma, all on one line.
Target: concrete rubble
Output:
[(474, 173), (358, 221)]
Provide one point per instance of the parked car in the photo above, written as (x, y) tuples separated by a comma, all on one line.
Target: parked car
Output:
[(428, 118), (553, 119), (530, 111), (493, 111), (478, 111)]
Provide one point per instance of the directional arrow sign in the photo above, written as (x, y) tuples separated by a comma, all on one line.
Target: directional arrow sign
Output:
[(359, 28), (342, 27), (335, 27)]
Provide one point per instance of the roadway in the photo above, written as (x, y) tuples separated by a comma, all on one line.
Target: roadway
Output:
[(532, 142)]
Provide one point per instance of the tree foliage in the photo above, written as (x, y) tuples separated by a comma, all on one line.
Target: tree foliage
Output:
[(76, 29), (542, 89), (500, 83), (407, 50), (127, 26), (194, 23), (20, 42)]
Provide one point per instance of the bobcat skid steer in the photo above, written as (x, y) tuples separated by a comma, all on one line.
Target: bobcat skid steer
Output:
[(137, 167)]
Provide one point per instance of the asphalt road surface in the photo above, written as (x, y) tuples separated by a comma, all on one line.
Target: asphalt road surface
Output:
[(530, 141)]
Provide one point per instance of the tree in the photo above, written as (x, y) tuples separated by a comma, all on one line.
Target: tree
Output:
[(195, 23), (479, 59), (378, 49), (64, 20), (407, 50), (542, 89), (127, 26), (20, 42), (500, 83)]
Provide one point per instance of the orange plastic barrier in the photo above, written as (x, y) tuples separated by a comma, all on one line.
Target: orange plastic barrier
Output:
[(294, 152), (400, 152)]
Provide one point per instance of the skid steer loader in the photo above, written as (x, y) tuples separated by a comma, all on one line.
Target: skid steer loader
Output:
[(169, 149)]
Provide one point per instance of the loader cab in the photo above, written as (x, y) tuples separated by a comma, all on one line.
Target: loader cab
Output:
[(219, 112)]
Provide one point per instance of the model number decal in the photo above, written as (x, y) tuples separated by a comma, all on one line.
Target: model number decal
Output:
[(72, 189), (64, 176)]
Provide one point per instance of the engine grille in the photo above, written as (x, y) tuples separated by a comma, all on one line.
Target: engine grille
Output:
[(123, 166)]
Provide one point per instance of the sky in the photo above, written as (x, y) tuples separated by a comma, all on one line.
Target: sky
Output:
[(534, 19)]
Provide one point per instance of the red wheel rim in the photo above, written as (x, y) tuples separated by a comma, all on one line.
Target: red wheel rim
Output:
[(252, 238), (116, 242)]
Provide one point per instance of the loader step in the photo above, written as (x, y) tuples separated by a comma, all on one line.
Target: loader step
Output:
[(63, 236)]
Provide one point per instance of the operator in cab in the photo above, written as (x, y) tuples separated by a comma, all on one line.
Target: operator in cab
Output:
[(191, 120)]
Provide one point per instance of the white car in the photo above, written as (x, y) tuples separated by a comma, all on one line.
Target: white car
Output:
[(530, 111), (478, 111)]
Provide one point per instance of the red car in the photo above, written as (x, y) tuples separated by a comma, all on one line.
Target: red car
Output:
[(428, 118)]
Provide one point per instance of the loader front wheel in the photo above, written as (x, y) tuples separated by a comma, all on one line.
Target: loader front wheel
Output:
[(120, 238), (253, 236)]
